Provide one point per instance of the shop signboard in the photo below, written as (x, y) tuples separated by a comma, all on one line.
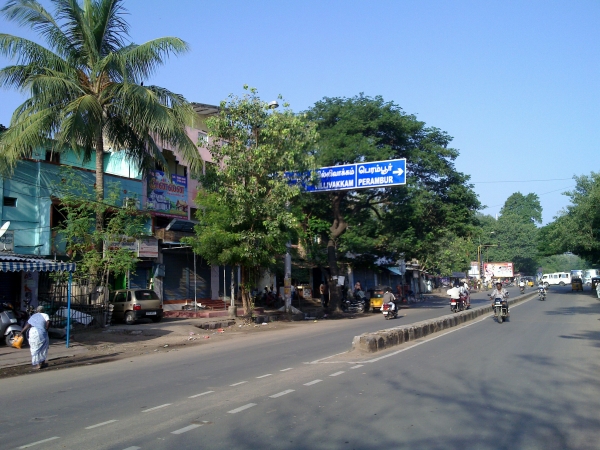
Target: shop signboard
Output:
[(498, 270), (474, 270), (167, 197), (148, 247)]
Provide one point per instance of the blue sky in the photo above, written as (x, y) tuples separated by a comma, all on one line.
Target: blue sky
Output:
[(517, 84)]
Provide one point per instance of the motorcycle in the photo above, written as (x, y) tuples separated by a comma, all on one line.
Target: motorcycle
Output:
[(355, 304), (457, 304), (9, 328), (541, 293), (500, 306), (388, 312), (522, 288)]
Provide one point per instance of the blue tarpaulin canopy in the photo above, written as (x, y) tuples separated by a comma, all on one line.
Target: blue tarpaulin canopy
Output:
[(16, 263)]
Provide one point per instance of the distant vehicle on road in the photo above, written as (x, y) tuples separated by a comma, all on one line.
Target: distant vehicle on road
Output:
[(589, 274), (556, 279), (133, 304)]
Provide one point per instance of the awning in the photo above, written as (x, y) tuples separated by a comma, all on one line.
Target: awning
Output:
[(13, 263), (395, 270), (185, 226)]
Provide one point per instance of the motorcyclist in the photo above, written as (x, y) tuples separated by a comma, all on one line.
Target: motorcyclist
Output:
[(522, 285), (464, 293), (542, 289), (499, 292), (390, 299)]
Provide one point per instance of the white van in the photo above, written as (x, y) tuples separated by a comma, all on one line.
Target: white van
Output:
[(557, 278), (589, 274)]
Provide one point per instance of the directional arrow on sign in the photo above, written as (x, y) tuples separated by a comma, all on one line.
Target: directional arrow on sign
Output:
[(398, 172)]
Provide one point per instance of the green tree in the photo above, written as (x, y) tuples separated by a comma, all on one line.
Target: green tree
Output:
[(577, 229), (85, 89), (516, 232), (244, 211), (436, 205), (122, 223)]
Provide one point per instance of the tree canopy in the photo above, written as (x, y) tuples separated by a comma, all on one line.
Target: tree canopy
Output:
[(435, 207), (577, 229), (244, 211), (516, 233)]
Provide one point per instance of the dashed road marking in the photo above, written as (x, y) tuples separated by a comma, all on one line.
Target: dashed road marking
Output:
[(310, 383), (237, 384), (285, 370), (337, 373), (241, 408), (185, 429), (157, 407), (357, 366), (100, 424), (200, 395), (265, 376), (40, 442), (282, 393), (132, 448)]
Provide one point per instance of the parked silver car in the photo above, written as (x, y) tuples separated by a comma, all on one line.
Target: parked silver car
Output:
[(133, 304)]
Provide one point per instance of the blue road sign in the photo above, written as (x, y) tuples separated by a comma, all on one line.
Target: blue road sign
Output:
[(381, 173), (334, 178), (376, 174)]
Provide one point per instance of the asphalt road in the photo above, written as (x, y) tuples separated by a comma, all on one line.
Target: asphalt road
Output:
[(528, 383)]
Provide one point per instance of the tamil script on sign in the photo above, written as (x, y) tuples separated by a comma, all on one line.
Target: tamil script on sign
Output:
[(354, 176)]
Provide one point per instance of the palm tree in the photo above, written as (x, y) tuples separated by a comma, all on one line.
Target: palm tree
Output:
[(86, 88)]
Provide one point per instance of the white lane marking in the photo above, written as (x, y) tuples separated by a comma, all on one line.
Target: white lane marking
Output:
[(285, 370), (282, 393), (100, 424), (237, 384), (337, 373), (310, 383), (188, 428), (241, 408), (327, 357), (132, 448), (200, 395), (40, 442), (265, 376), (357, 366), (157, 407)]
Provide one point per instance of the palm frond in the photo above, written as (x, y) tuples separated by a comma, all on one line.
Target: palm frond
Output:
[(32, 14), (27, 52), (142, 60)]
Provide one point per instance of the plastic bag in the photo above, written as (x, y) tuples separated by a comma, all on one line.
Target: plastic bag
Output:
[(18, 341)]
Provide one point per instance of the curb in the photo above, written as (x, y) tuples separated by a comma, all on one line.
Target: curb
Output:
[(391, 337)]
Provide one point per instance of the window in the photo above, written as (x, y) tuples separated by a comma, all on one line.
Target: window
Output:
[(53, 157), (10, 201), (202, 138)]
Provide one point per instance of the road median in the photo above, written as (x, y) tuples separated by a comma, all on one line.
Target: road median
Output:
[(388, 338)]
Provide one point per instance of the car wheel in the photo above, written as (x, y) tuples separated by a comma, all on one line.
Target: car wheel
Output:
[(129, 318), (546, 285), (10, 337), (156, 319), (561, 283)]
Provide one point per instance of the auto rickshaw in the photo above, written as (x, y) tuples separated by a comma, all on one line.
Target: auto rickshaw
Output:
[(576, 284)]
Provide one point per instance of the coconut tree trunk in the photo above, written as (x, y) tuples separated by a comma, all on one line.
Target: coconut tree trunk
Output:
[(99, 180), (99, 187)]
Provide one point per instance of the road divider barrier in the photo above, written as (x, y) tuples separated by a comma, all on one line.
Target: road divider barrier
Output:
[(391, 337)]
